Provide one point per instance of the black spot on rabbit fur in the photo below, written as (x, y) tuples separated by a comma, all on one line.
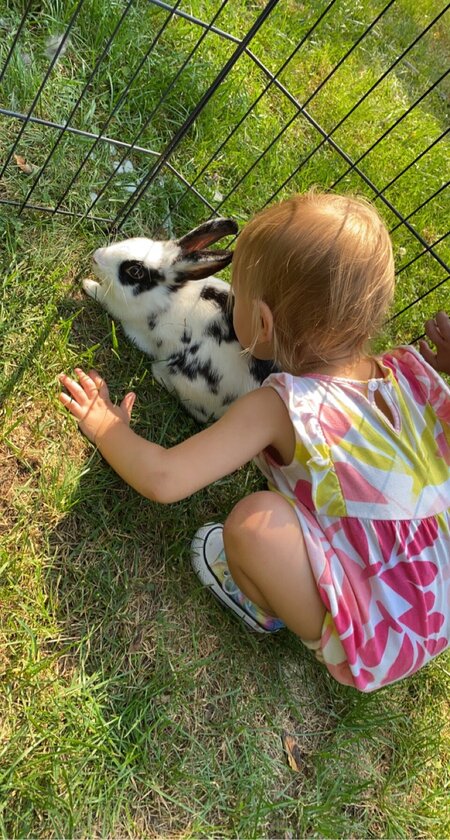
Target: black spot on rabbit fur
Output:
[(221, 329), (180, 281), (192, 367), (228, 399), (261, 369), (216, 295), (200, 410)]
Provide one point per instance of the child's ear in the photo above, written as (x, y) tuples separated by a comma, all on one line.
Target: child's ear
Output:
[(265, 323)]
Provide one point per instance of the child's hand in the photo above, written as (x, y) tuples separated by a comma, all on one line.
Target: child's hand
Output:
[(438, 331), (88, 400)]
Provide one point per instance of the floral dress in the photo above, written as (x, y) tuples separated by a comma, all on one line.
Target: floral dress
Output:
[(373, 499)]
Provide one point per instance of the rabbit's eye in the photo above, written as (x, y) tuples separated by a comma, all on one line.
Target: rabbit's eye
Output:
[(136, 272)]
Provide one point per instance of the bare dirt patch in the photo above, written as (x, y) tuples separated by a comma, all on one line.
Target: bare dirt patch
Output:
[(15, 471)]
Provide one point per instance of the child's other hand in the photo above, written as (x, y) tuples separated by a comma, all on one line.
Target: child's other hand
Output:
[(438, 331), (88, 400)]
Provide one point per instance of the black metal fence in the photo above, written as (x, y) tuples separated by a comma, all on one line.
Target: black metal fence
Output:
[(45, 158)]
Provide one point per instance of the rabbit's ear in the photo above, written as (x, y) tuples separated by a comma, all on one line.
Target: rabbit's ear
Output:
[(201, 264), (205, 235), (195, 261)]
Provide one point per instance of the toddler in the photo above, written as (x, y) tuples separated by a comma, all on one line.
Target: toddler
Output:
[(350, 545)]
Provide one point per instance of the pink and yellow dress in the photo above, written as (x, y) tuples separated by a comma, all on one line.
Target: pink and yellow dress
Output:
[(373, 501)]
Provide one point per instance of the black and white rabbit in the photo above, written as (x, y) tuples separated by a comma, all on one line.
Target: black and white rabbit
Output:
[(180, 316)]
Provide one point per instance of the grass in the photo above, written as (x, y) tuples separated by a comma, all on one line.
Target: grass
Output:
[(132, 705)]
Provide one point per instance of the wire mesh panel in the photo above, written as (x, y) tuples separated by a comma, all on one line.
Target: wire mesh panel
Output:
[(147, 115)]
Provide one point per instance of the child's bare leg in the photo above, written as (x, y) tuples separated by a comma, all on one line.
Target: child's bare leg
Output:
[(267, 558)]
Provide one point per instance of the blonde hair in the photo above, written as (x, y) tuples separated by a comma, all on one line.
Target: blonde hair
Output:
[(323, 264)]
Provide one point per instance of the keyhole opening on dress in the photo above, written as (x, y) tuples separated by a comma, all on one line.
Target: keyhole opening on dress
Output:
[(382, 405)]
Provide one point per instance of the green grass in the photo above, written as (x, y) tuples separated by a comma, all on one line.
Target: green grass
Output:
[(131, 704)]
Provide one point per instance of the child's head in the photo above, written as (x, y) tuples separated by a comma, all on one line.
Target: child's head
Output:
[(323, 264)]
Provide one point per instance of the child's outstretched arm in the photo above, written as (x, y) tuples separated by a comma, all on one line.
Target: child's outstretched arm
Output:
[(255, 421), (438, 331)]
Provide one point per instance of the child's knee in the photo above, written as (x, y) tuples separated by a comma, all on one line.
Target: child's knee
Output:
[(247, 518)]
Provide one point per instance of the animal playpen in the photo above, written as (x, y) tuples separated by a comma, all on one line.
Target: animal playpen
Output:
[(237, 79)]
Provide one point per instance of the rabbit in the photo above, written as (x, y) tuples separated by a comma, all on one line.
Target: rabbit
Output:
[(180, 316)]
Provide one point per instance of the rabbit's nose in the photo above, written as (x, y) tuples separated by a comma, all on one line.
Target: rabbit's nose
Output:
[(95, 256)]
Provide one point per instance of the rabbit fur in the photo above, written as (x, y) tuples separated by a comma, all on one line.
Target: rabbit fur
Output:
[(180, 316)]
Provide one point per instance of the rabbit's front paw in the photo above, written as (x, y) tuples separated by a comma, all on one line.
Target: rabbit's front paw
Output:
[(93, 289)]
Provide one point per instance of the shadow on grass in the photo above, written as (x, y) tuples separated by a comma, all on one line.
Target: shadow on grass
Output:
[(154, 712), (63, 309), (190, 706)]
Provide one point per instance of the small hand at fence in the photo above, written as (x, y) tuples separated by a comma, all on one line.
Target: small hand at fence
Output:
[(89, 402), (438, 331)]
